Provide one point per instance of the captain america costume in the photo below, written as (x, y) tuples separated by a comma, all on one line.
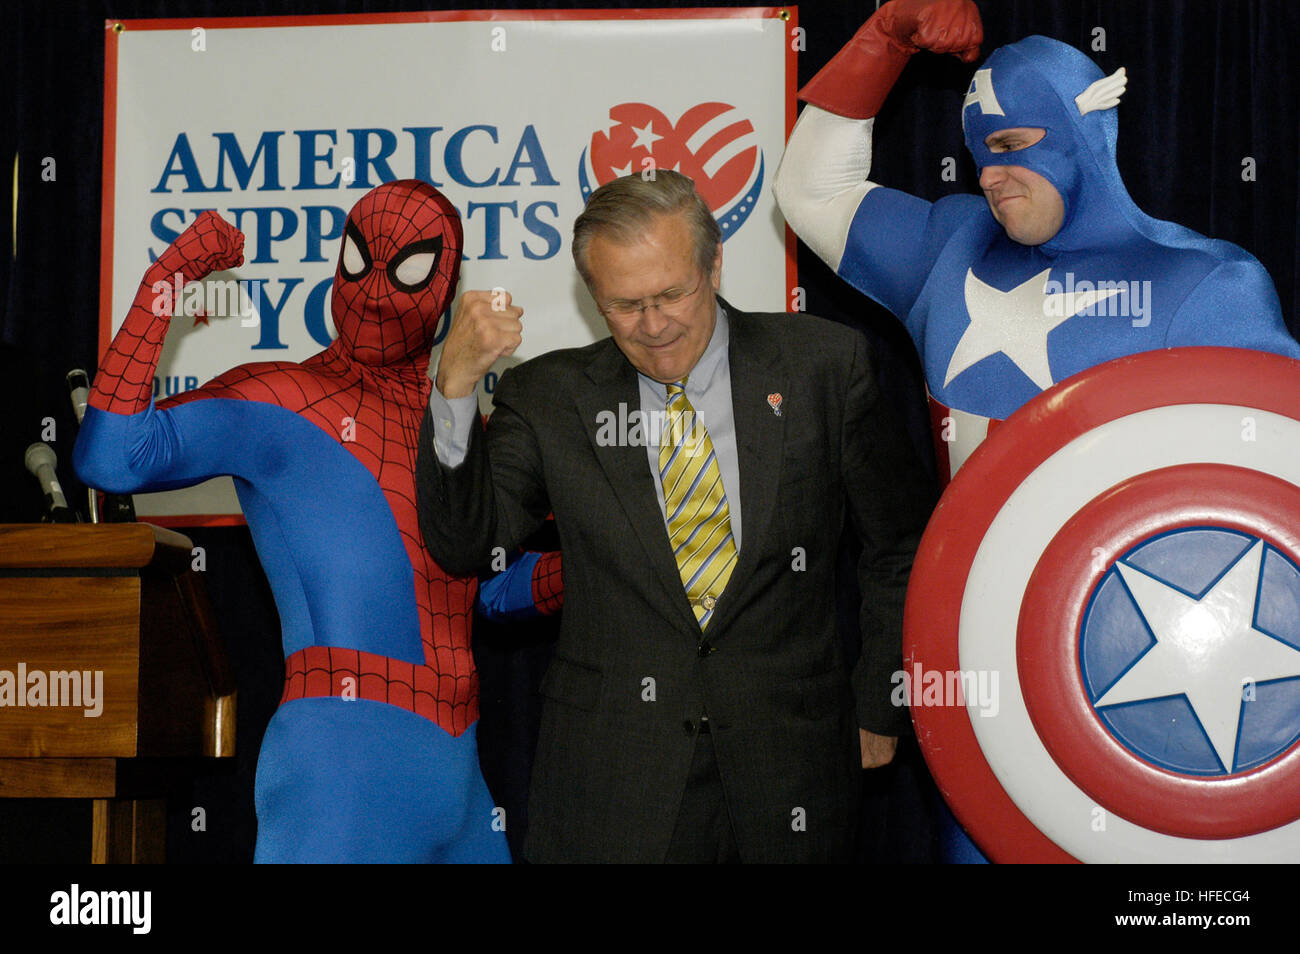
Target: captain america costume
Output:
[(372, 754), (994, 321)]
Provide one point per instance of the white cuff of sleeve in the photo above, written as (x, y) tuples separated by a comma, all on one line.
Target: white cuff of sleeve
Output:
[(452, 421)]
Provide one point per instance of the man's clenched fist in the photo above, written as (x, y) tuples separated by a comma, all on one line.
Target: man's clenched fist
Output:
[(484, 327), (940, 26), (856, 81), (210, 244)]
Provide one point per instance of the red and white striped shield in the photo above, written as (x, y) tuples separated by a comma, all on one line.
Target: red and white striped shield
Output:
[(1103, 623)]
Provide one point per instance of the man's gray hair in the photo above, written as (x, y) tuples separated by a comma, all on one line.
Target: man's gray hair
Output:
[(623, 210)]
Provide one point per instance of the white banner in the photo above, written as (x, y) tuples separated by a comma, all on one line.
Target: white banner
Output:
[(282, 124)]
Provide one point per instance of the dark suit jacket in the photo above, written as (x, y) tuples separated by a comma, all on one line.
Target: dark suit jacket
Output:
[(631, 676)]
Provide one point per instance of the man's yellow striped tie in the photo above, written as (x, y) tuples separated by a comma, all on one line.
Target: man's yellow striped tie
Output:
[(699, 522)]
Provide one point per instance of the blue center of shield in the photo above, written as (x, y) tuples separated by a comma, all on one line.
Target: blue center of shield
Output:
[(1190, 651)]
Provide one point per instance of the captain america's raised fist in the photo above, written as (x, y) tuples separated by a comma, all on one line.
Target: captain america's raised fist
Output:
[(940, 26), (856, 81)]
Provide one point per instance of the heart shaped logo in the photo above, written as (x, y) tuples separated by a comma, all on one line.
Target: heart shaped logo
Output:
[(713, 143)]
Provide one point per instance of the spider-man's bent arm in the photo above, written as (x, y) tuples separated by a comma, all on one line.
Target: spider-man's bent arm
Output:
[(124, 384), (126, 445)]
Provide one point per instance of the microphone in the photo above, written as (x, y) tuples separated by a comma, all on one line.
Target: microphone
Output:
[(40, 460), (79, 390), (118, 508)]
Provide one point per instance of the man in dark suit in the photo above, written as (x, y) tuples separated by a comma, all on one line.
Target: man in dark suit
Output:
[(699, 464)]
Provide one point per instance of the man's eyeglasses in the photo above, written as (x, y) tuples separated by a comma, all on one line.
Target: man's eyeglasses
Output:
[(670, 303)]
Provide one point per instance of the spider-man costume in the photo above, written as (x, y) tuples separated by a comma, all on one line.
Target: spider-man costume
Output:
[(372, 754)]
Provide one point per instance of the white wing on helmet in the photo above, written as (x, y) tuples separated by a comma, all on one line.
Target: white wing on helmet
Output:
[(1103, 94)]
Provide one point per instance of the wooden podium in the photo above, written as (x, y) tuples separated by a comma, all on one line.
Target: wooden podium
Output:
[(110, 666)]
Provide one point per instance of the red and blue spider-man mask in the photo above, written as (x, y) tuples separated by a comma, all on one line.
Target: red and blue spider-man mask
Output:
[(397, 272)]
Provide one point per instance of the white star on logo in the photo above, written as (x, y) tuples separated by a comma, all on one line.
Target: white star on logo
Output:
[(646, 136), (607, 126), (1016, 323), (1205, 649), (623, 170)]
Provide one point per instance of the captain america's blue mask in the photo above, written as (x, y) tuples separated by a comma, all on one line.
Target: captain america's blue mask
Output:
[(1043, 83)]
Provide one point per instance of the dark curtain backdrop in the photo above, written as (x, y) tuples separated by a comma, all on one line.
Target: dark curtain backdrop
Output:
[(1211, 84)]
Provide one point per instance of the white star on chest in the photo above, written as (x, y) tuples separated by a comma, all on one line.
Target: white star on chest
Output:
[(1016, 323), (1205, 649)]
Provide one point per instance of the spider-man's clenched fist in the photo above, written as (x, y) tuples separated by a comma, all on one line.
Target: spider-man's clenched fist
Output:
[(210, 244)]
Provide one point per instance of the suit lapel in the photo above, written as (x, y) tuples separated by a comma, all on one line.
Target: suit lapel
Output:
[(612, 381), (756, 372)]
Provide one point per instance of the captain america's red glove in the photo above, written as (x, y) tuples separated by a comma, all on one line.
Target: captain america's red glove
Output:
[(856, 81)]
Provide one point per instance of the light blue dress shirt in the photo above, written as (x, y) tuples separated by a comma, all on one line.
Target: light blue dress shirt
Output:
[(708, 388)]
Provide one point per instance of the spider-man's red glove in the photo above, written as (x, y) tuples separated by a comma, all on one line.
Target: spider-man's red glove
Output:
[(548, 584), (124, 383), (210, 244)]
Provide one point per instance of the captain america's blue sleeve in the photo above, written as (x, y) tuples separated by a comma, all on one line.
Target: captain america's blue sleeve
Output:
[(508, 596), (1234, 306), (894, 241)]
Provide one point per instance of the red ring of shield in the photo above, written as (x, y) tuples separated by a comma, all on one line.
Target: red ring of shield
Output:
[(1051, 619), (931, 626)]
